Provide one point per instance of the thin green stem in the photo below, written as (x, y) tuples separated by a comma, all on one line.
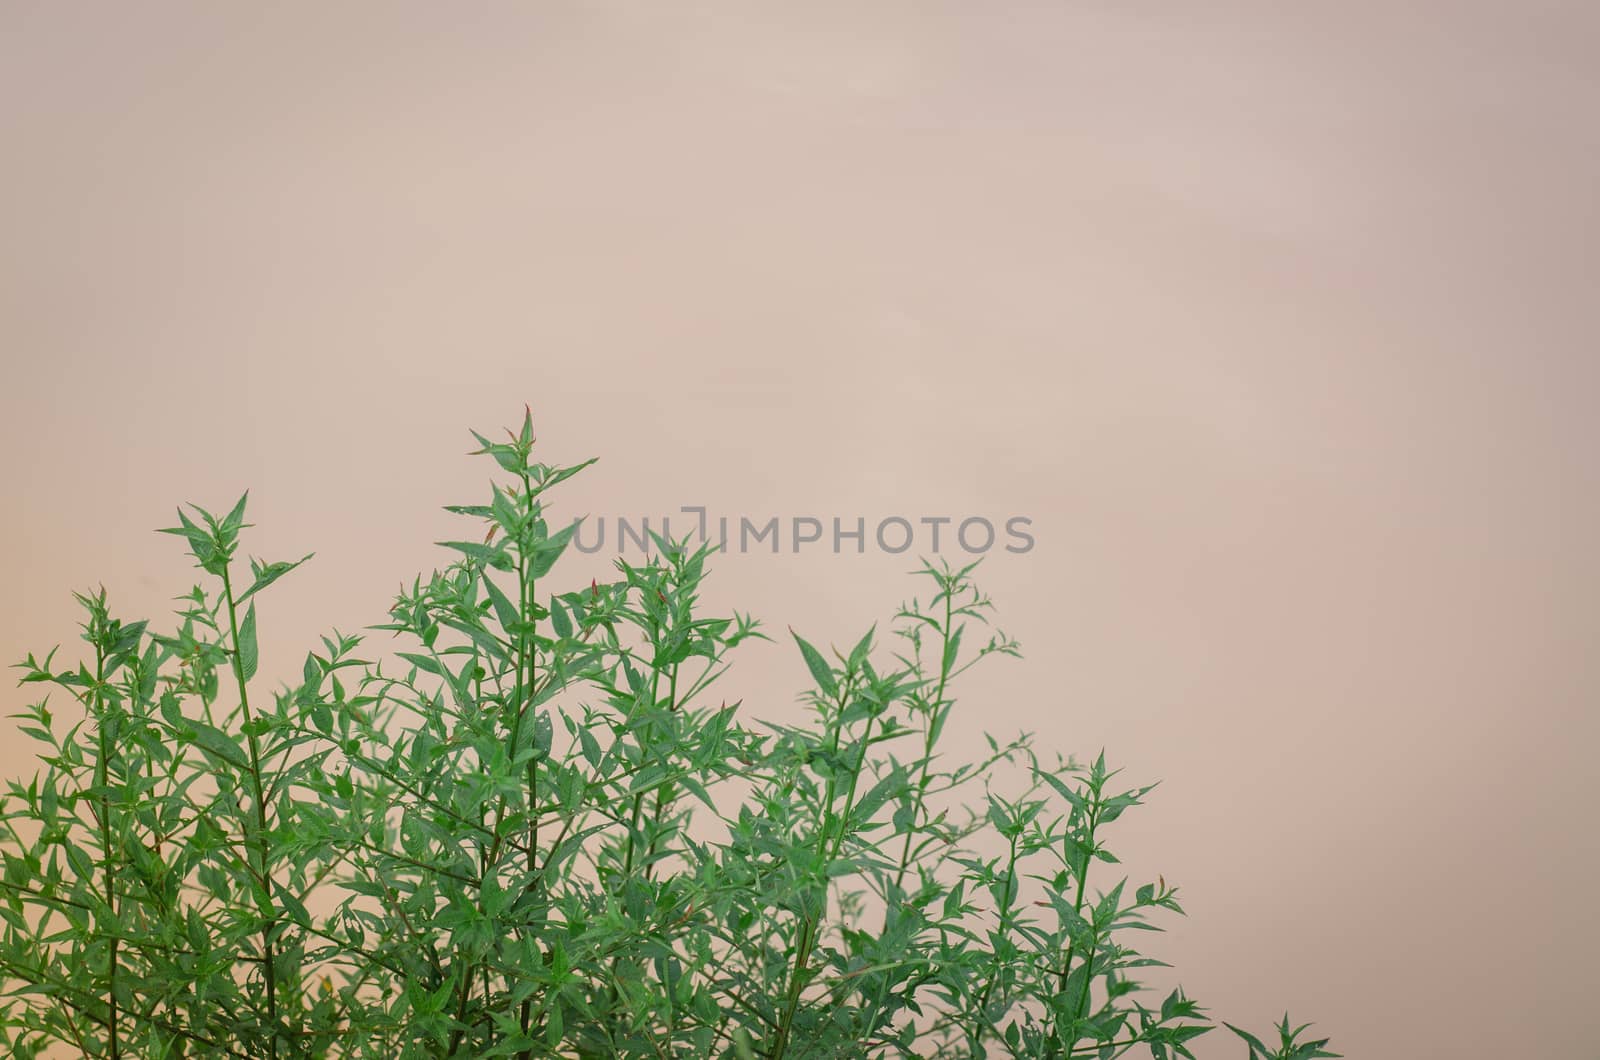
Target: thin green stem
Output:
[(832, 842), (1077, 911), (923, 779), (661, 792), (263, 867), (929, 735), (102, 781), (638, 799), (527, 655), (983, 1024)]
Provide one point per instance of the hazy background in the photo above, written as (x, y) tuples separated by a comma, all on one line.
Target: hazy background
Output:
[(1278, 320)]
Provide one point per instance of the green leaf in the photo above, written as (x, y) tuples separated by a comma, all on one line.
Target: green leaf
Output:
[(216, 742), (268, 573), (546, 552), (235, 518), (479, 636), (486, 555), (821, 673), (559, 619), (504, 610), (952, 651), (293, 906), (249, 654), (422, 662), (591, 746), (1257, 1049), (858, 654)]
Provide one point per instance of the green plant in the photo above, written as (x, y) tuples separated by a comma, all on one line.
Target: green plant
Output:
[(533, 831)]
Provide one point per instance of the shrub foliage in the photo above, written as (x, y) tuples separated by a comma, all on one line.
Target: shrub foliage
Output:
[(533, 829)]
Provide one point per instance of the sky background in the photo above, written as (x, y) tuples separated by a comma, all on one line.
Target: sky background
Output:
[(1278, 321)]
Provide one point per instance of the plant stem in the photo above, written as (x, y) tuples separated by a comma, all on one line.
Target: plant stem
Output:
[(661, 792), (830, 851), (638, 800), (922, 785), (528, 655), (102, 781), (268, 947), (927, 745), (1077, 910), (982, 1027)]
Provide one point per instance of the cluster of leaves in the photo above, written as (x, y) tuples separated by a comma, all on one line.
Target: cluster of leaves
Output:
[(534, 831)]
